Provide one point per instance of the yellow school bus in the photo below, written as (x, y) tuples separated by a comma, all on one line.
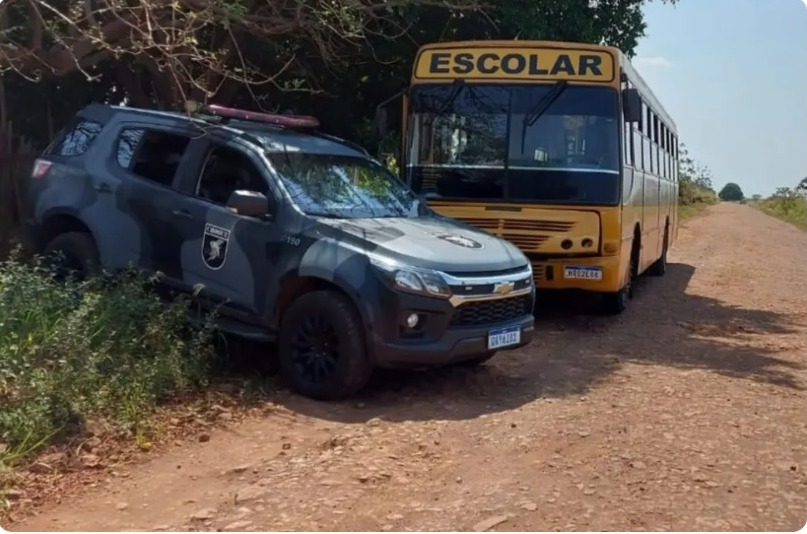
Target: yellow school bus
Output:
[(560, 148)]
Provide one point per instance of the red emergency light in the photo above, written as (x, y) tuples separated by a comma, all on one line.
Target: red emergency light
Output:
[(289, 121)]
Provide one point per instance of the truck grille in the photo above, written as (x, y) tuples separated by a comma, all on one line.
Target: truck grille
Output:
[(491, 311)]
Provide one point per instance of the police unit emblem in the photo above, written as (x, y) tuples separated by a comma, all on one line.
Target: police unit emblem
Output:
[(459, 240), (214, 246)]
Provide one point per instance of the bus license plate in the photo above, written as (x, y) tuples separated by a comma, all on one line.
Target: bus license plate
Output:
[(504, 337), (583, 273)]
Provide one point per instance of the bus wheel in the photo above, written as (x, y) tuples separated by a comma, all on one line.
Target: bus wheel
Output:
[(659, 267), (616, 303)]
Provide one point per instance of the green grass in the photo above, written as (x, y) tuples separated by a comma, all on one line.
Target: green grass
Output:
[(71, 352), (687, 211), (792, 210)]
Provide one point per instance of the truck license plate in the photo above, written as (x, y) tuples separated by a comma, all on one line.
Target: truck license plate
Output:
[(504, 337)]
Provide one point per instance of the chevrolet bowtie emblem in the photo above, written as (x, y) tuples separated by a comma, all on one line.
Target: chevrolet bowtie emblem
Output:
[(503, 288)]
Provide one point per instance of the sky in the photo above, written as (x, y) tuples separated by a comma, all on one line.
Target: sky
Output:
[(733, 76)]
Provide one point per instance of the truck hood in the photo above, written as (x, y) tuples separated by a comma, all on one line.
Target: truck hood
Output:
[(429, 242)]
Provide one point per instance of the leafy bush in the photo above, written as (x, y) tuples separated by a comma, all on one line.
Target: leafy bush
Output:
[(787, 204), (72, 351), (691, 193)]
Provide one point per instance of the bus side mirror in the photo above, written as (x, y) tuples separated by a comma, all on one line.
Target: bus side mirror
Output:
[(381, 114), (632, 105)]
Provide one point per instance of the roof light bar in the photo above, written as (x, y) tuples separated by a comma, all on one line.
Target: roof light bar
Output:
[(289, 121)]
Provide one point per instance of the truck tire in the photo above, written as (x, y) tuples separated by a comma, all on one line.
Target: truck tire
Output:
[(79, 255), (321, 346)]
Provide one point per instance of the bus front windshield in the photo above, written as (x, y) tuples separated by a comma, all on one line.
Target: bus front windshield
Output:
[(515, 142)]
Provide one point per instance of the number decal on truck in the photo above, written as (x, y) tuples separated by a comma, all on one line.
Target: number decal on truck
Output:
[(291, 240)]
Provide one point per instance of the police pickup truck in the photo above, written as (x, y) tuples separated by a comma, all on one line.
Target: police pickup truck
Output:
[(295, 236)]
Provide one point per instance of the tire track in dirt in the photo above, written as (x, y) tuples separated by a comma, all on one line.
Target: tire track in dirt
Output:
[(686, 413)]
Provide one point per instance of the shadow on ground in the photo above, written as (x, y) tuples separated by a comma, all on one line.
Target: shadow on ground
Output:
[(575, 348)]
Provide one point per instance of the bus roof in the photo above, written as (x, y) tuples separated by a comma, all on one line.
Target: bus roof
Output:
[(517, 42)]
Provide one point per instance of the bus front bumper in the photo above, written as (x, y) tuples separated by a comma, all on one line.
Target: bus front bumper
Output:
[(600, 274)]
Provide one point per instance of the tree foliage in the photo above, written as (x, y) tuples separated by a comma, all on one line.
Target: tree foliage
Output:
[(731, 192), (165, 52), (337, 59), (694, 180)]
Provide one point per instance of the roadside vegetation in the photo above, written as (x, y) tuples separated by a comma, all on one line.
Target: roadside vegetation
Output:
[(73, 353), (731, 192), (787, 203), (695, 191)]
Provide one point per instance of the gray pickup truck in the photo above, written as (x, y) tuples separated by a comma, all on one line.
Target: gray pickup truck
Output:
[(295, 236)]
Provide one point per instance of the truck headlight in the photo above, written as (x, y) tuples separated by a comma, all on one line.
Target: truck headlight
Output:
[(412, 279)]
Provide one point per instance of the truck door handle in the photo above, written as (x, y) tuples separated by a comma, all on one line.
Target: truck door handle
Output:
[(185, 214), (103, 187)]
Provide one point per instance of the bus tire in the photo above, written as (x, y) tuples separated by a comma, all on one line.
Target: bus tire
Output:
[(617, 302), (659, 267)]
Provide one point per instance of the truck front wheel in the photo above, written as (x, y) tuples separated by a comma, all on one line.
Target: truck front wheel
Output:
[(72, 254), (321, 346)]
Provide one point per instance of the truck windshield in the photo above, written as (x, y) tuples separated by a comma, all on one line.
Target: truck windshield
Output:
[(480, 142), (346, 187)]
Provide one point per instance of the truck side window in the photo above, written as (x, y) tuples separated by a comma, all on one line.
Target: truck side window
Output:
[(151, 154), (226, 170), (76, 140)]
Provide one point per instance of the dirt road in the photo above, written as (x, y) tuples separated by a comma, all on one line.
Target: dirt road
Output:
[(686, 413)]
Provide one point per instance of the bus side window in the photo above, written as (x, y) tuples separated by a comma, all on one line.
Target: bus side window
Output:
[(664, 161), (628, 140), (640, 145), (671, 144), (654, 147), (648, 163), (670, 155), (673, 159)]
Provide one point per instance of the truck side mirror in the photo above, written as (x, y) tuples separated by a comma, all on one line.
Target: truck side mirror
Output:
[(249, 203)]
